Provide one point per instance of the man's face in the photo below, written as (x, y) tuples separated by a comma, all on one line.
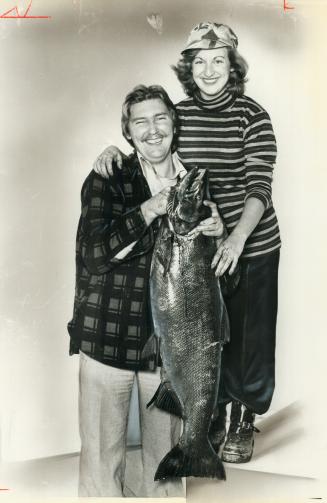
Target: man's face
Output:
[(151, 129)]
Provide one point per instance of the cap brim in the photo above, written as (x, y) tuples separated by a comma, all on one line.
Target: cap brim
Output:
[(207, 44)]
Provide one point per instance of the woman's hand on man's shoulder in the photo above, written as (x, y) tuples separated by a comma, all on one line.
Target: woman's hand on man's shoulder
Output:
[(103, 163)]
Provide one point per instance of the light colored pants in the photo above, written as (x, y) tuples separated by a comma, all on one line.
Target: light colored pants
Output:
[(104, 400)]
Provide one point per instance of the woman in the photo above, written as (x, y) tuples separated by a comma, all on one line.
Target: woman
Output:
[(231, 135)]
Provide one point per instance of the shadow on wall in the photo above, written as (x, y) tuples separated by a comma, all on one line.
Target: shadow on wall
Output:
[(280, 429)]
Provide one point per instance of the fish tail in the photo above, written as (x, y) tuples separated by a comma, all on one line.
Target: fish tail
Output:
[(180, 463)]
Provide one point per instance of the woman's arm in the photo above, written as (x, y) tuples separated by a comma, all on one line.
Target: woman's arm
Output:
[(260, 156), (231, 248)]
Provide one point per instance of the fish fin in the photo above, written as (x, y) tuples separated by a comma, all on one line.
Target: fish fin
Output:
[(166, 399), (225, 327), (154, 398), (179, 463), (224, 319), (166, 258), (164, 246), (150, 347), (151, 351), (171, 199)]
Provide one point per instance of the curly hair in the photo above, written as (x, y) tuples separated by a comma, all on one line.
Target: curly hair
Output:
[(143, 93), (237, 78)]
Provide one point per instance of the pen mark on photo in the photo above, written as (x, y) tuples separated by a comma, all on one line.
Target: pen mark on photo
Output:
[(287, 7), (13, 13)]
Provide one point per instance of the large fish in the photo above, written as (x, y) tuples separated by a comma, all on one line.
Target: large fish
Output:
[(191, 322)]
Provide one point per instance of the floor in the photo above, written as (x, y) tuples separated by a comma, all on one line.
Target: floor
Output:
[(57, 477), (287, 463)]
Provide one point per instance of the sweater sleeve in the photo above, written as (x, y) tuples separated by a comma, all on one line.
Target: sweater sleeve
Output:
[(104, 229), (260, 155)]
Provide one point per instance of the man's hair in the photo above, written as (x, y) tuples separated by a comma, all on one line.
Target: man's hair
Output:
[(235, 84), (143, 93)]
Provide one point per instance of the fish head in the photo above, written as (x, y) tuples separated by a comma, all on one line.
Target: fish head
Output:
[(185, 205)]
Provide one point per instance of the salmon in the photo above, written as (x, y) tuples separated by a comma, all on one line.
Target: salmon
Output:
[(191, 324)]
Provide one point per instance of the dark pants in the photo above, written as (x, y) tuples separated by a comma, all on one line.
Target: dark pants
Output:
[(248, 360)]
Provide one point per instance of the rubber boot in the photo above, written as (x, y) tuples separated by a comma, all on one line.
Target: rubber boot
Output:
[(239, 444), (217, 430)]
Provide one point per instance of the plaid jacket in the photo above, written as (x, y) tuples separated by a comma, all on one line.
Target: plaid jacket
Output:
[(111, 321)]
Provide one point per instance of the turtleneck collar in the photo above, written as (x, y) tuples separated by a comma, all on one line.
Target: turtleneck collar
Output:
[(218, 103)]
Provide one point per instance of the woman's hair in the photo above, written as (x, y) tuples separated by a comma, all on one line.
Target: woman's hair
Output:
[(143, 93), (237, 78)]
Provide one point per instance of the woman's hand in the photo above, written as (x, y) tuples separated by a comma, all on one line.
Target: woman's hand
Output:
[(103, 163), (228, 253), (212, 226)]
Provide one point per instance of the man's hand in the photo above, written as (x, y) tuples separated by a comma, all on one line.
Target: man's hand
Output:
[(103, 164), (155, 206)]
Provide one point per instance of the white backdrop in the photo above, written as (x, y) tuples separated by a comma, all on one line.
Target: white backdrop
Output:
[(62, 84)]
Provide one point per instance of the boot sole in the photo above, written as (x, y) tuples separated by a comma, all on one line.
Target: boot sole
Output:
[(235, 458)]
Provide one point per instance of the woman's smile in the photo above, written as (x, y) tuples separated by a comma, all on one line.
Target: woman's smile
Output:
[(211, 69)]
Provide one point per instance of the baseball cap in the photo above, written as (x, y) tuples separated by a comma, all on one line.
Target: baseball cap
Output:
[(207, 35)]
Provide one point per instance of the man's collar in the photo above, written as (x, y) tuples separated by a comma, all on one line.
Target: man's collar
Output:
[(178, 166), (180, 170), (133, 165)]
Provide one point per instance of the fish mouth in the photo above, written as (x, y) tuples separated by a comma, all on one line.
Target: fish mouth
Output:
[(186, 209), (192, 185)]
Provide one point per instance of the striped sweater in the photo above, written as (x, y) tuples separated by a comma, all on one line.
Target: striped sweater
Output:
[(233, 138)]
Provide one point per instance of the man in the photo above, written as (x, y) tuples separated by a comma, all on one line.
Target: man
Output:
[(112, 321)]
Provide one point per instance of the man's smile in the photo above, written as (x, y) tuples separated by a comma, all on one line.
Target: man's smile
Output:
[(154, 141)]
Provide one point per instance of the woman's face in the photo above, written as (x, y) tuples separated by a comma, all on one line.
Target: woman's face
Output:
[(210, 69)]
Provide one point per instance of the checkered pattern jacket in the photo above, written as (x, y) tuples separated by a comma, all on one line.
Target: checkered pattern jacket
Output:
[(111, 321)]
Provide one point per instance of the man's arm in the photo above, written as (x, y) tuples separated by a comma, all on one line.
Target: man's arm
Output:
[(103, 234), (151, 208)]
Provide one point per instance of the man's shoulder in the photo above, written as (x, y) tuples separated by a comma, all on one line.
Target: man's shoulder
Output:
[(98, 183), (130, 163), (94, 183)]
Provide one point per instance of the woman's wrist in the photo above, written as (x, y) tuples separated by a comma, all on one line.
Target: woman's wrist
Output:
[(240, 235)]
